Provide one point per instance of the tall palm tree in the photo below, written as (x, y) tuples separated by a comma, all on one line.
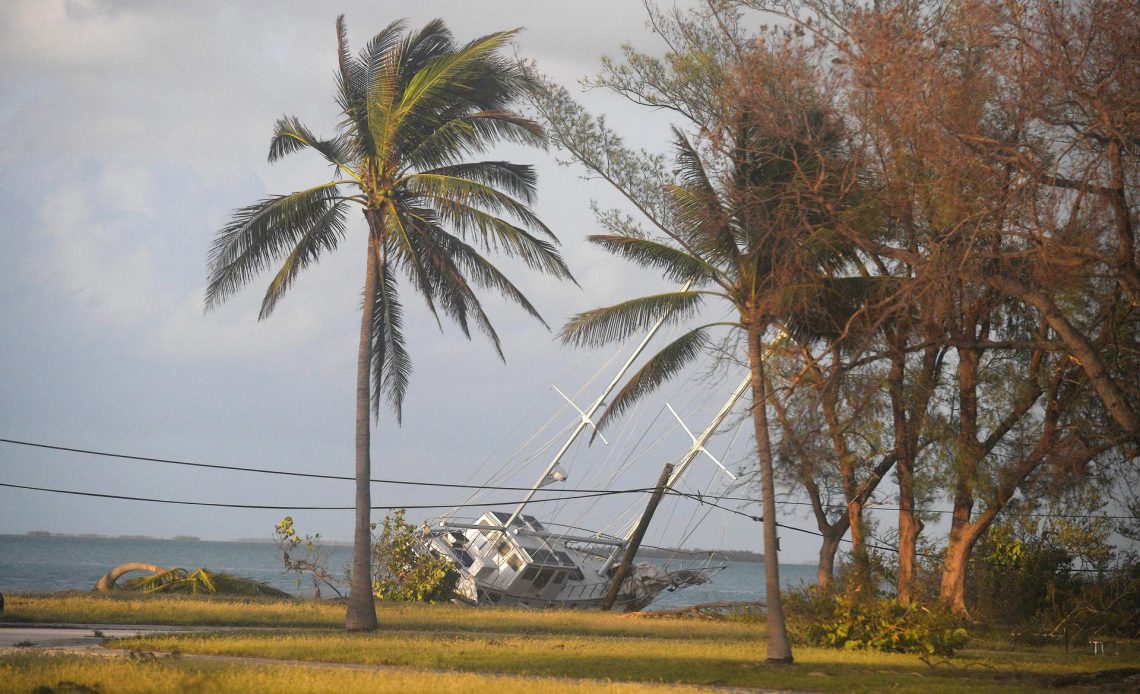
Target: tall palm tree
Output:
[(415, 107), (747, 233)]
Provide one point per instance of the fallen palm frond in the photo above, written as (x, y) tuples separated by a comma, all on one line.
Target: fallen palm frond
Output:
[(178, 580)]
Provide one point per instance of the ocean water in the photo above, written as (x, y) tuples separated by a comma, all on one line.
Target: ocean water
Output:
[(37, 564)]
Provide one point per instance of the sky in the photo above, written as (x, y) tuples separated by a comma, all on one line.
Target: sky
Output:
[(129, 131)]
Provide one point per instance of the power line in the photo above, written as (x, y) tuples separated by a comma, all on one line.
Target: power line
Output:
[(452, 485), (213, 504), (309, 475)]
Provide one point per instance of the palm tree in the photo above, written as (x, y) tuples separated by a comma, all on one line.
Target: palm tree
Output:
[(752, 235), (415, 107)]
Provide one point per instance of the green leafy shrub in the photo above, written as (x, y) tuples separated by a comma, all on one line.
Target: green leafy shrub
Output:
[(306, 555), (1054, 577), (406, 570), (823, 618)]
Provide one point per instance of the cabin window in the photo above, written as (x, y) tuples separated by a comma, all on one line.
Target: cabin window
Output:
[(543, 578), (559, 578), (514, 561), (576, 574), (504, 548), (530, 573)]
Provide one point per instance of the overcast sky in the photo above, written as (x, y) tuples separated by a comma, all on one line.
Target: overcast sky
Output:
[(128, 133)]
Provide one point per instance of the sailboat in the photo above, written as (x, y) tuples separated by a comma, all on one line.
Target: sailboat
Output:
[(515, 559)]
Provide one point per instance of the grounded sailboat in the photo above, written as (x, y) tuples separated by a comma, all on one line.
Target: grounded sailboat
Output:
[(515, 559)]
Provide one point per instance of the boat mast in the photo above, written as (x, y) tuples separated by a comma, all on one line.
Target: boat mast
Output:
[(587, 415), (681, 467)]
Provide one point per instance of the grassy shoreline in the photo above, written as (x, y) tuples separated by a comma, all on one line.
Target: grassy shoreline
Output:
[(448, 648)]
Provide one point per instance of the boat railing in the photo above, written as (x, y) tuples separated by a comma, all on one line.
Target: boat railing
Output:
[(586, 591)]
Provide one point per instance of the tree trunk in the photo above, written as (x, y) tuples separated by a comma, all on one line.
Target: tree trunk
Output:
[(825, 572), (952, 590), (107, 582), (860, 561), (910, 527), (908, 411), (361, 612), (779, 648)]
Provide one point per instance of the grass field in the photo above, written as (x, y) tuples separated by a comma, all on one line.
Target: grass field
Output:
[(446, 648)]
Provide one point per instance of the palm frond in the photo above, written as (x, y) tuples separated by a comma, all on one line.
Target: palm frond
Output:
[(391, 363), (259, 234), (324, 236), (418, 50), (500, 235), (482, 271), (468, 80), (449, 75), (442, 189), (448, 285), (380, 105), (674, 263), (290, 135), (382, 52), (612, 323), (400, 237), (697, 207), (518, 180), (352, 89), (660, 368), (457, 137)]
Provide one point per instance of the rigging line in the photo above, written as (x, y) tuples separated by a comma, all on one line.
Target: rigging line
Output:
[(624, 452), (694, 522), (518, 451), (280, 508), (501, 473)]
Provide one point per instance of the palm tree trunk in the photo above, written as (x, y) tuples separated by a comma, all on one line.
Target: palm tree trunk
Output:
[(361, 612), (779, 649)]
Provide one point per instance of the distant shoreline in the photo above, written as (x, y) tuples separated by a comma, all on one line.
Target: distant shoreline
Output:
[(651, 553)]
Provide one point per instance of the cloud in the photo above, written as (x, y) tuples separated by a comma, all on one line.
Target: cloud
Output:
[(102, 270), (76, 34), (232, 333)]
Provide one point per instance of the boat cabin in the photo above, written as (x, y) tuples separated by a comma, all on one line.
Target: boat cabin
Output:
[(524, 560)]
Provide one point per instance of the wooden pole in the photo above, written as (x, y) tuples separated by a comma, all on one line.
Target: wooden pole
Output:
[(635, 541)]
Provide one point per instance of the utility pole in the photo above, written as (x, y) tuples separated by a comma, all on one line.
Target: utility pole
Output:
[(635, 541)]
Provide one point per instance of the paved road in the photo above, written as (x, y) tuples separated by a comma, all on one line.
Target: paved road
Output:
[(77, 637)]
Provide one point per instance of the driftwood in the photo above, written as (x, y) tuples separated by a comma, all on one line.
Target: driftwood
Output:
[(708, 610), (107, 583)]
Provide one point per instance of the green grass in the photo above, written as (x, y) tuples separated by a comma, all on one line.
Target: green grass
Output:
[(698, 660), (80, 674), (191, 610), (446, 648), (134, 608)]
